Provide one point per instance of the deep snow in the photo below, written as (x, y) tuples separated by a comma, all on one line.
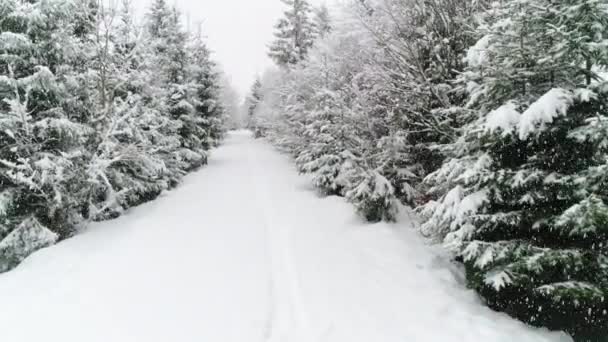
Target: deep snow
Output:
[(245, 251)]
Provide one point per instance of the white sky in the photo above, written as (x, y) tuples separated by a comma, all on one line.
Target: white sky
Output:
[(238, 32)]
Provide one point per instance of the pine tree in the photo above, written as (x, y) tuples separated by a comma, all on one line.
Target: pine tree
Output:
[(167, 90), (208, 113), (191, 152), (96, 117), (41, 159), (527, 211), (322, 21), (124, 170), (332, 121), (158, 18), (294, 34), (229, 97), (252, 103), (322, 157)]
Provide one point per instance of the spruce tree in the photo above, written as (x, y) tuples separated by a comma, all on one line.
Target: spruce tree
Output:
[(208, 112), (158, 18), (167, 91), (230, 100), (41, 159), (294, 34), (124, 170), (322, 21), (96, 117), (252, 102), (322, 157), (527, 212)]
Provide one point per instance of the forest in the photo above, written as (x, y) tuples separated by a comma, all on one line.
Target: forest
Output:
[(487, 117), (98, 114)]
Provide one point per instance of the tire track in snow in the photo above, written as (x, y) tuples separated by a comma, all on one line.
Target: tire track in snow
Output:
[(287, 318), (270, 315)]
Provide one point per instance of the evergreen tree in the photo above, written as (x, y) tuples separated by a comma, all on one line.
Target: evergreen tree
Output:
[(124, 170), (41, 155), (94, 115), (167, 89), (322, 21), (294, 34), (209, 112), (230, 100), (527, 211), (332, 120), (252, 103), (157, 19)]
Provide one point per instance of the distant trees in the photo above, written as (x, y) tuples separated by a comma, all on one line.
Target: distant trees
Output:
[(231, 102), (321, 21), (297, 30), (488, 118), (294, 33), (98, 115), (251, 103)]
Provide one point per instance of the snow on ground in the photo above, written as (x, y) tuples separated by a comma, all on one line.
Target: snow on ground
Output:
[(245, 251)]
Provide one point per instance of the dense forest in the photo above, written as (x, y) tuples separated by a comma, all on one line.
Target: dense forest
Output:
[(487, 117), (99, 113)]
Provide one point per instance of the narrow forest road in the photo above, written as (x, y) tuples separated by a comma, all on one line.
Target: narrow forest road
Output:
[(245, 251)]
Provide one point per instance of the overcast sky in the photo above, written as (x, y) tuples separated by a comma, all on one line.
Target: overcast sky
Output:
[(238, 31)]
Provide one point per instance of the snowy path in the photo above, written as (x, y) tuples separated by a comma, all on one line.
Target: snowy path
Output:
[(245, 251)]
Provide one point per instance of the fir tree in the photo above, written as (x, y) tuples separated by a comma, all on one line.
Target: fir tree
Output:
[(527, 213), (124, 170), (229, 97), (41, 159), (294, 34), (158, 17), (96, 117), (167, 90), (208, 110), (252, 103), (322, 21)]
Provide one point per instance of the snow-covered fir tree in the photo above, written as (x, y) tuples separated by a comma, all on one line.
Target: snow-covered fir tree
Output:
[(379, 51), (252, 103), (124, 169), (331, 118), (294, 33), (208, 114), (230, 101), (93, 115), (488, 116), (166, 53), (41, 159), (322, 21), (526, 208)]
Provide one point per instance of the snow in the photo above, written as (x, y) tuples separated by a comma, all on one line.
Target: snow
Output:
[(243, 251), (498, 279), (27, 238), (505, 119), (470, 205), (549, 106), (555, 287), (14, 41), (6, 198), (584, 94), (477, 55), (543, 111)]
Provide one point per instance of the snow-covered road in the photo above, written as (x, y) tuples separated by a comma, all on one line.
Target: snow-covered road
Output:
[(245, 251)]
